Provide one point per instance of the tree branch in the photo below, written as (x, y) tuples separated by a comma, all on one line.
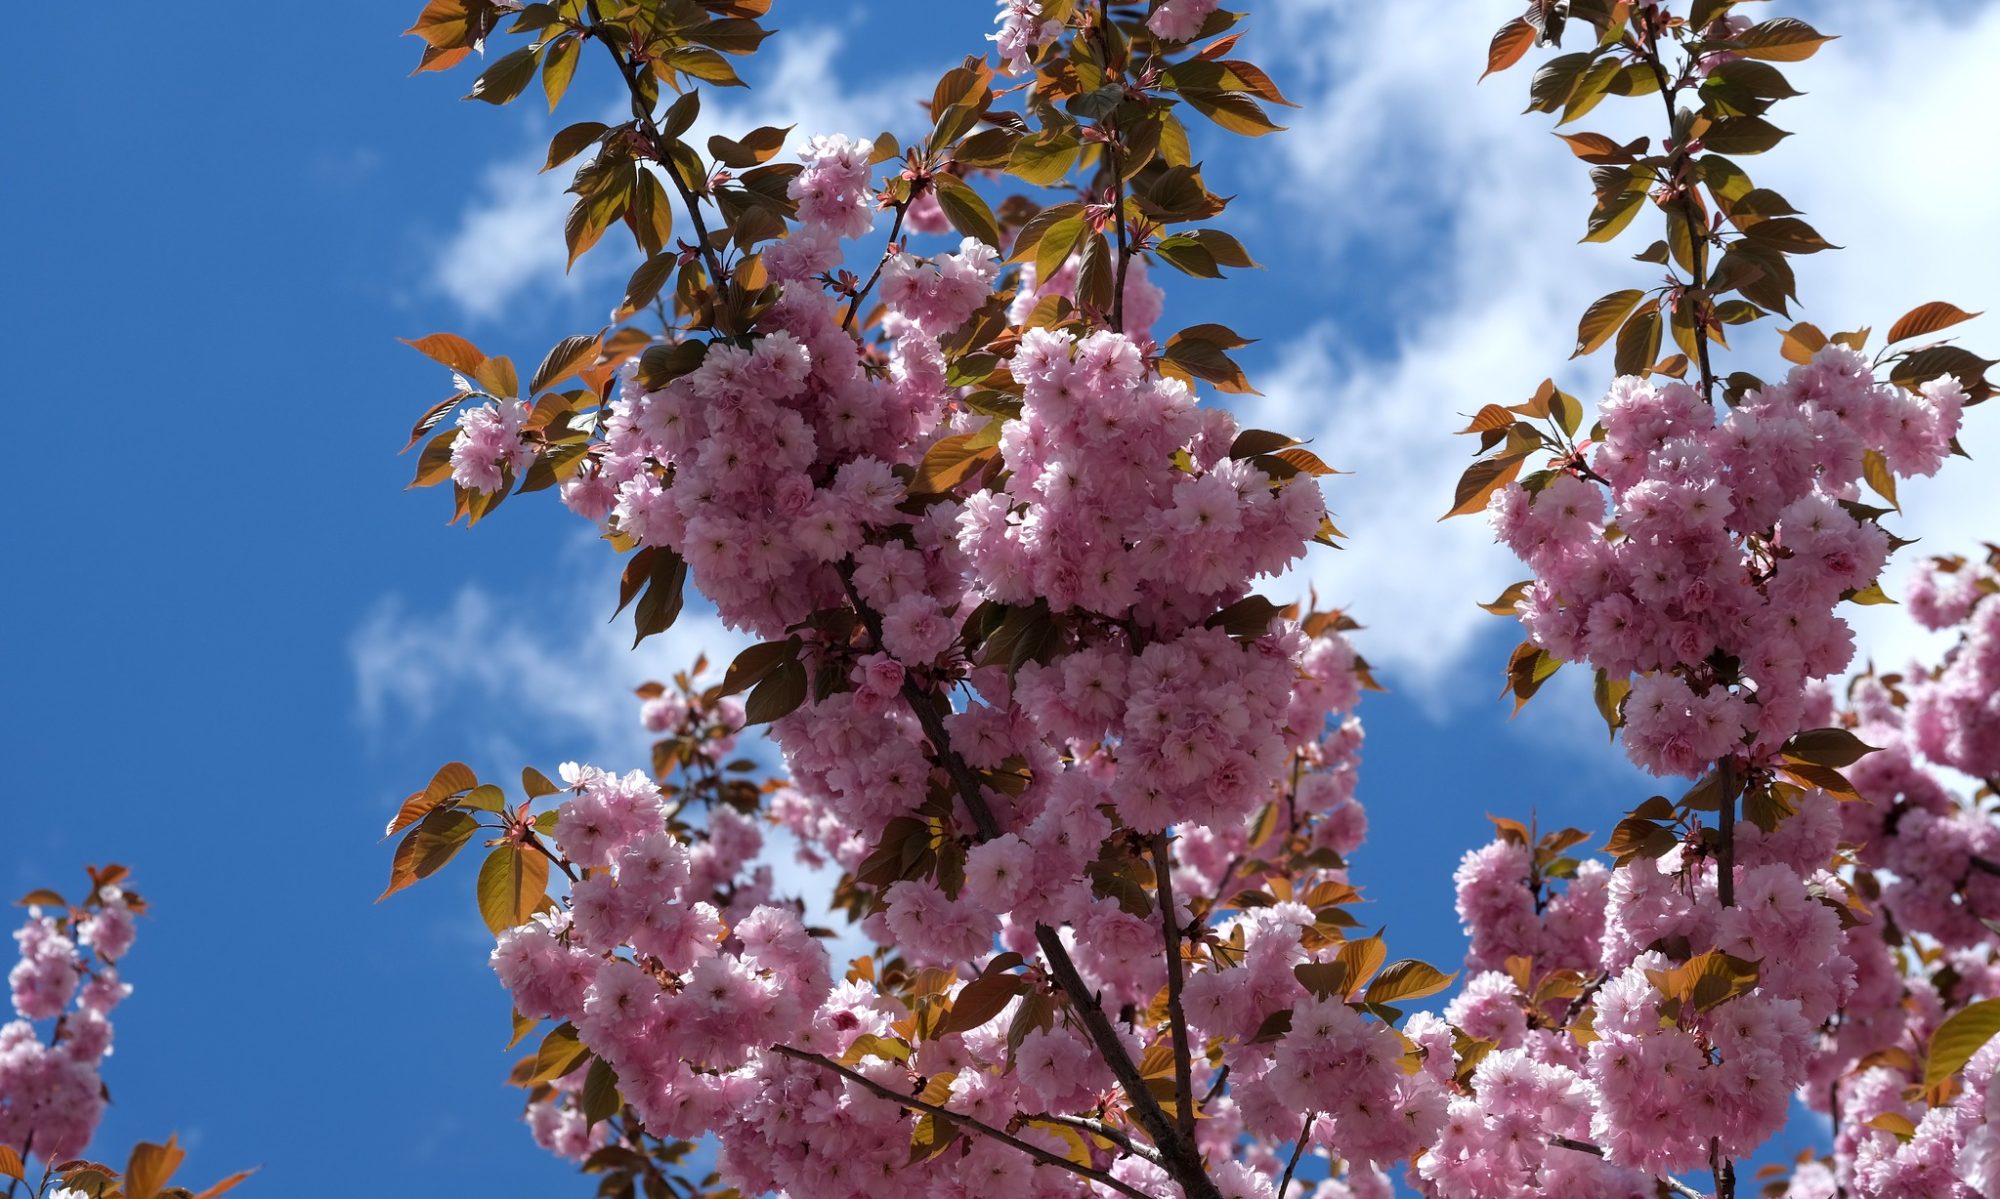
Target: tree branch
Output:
[(1179, 1156), (1117, 186), (642, 113), (912, 1103), (1696, 227), (1163, 875), (1298, 1151)]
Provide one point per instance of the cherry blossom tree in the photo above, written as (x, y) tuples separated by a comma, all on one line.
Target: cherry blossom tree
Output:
[(1089, 793), (64, 986)]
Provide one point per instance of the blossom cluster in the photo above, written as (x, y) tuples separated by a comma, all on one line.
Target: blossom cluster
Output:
[(51, 1095), (688, 999), (1715, 570), (1840, 1002), (1662, 1071)]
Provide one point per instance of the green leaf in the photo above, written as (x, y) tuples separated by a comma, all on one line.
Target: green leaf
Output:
[(1784, 39), (1037, 226), (952, 460), (1927, 318), (1232, 111), (559, 66), (733, 35), (571, 140), (1604, 317), (1743, 135), (781, 691), (1828, 747), (1875, 469), (561, 1051), (966, 211), (601, 1100), (661, 365), (706, 65), (1044, 158), (507, 78), (568, 356), (754, 664), (1963, 1034), (428, 847), (1554, 80), (513, 885), (1509, 45), (1406, 979), (1609, 218), (1058, 242), (1481, 480)]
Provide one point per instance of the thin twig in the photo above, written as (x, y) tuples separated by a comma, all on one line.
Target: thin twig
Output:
[(1117, 186), (1696, 227), (559, 863), (1163, 876), (912, 1103), (642, 113), (895, 231), (1298, 1151), (1115, 1135), (1675, 1185)]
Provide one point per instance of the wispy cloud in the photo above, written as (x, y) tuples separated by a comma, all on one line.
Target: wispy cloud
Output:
[(1396, 144), (507, 248), (530, 679), (521, 678)]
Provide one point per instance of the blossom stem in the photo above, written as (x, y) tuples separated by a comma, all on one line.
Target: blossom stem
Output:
[(1298, 1151), (895, 231), (912, 1103), (558, 862), (1163, 874)]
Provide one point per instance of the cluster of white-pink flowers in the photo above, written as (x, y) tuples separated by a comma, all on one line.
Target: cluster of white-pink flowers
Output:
[(51, 1096), (1023, 30), (1731, 548), (490, 453), (1120, 522)]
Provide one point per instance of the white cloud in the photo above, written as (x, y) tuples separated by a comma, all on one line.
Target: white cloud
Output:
[(527, 675), (1396, 143), (534, 679), (508, 242)]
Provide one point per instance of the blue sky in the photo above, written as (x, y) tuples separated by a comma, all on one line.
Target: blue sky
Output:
[(233, 642)]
